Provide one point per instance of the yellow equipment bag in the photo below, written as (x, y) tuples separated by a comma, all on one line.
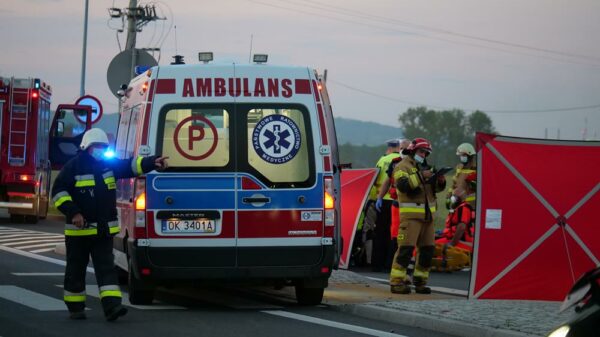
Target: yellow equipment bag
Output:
[(448, 258)]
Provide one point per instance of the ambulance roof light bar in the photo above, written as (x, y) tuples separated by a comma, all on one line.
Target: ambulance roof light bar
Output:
[(260, 58), (205, 56)]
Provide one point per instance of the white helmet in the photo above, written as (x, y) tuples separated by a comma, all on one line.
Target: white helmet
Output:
[(93, 136), (465, 148)]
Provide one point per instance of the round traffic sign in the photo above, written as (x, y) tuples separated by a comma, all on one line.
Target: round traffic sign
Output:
[(92, 102)]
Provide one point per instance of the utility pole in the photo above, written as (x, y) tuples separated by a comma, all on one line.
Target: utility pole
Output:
[(84, 52), (132, 34)]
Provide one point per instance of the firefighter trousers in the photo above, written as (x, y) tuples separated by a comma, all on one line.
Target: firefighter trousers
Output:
[(79, 249), (419, 233)]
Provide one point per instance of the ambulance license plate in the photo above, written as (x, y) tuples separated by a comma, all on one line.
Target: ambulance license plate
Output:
[(198, 226)]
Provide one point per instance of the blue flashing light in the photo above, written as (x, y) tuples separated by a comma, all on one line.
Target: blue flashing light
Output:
[(36, 83), (109, 154), (141, 69)]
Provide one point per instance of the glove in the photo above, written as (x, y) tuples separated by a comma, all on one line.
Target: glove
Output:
[(378, 204)]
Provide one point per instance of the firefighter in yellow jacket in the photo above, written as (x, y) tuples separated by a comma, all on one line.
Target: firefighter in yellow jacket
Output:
[(416, 183), (468, 164)]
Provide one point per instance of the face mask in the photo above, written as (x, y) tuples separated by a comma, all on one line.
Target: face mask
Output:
[(464, 159), (419, 159), (97, 154)]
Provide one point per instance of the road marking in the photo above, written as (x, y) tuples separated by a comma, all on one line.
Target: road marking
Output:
[(30, 241), (443, 290), (28, 237), (38, 274), (39, 257), (39, 245), (43, 250), (31, 299), (337, 325)]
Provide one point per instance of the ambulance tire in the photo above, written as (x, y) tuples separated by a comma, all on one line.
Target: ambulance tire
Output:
[(122, 275), (309, 296), (140, 292)]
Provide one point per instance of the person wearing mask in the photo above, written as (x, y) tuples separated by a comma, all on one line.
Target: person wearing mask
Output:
[(388, 187), (417, 184), (85, 192), (383, 205), (467, 165)]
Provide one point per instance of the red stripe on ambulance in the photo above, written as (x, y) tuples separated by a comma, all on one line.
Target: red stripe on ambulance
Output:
[(166, 86), (268, 224)]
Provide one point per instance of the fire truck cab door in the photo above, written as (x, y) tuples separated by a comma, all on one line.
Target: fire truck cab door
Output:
[(68, 126)]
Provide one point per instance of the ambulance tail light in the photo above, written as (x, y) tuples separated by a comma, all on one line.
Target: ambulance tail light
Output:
[(329, 205), (140, 207)]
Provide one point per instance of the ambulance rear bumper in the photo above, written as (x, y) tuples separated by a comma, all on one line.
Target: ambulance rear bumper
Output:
[(164, 272)]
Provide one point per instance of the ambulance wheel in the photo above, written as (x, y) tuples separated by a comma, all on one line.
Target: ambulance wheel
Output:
[(140, 292), (309, 296), (122, 275)]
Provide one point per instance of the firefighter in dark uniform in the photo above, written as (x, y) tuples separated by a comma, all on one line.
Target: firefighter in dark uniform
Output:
[(85, 192)]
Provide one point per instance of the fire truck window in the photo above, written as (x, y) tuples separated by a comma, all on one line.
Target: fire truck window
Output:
[(72, 127), (196, 137), (278, 145)]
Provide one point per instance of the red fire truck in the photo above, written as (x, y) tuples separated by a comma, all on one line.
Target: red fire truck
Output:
[(25, 168)]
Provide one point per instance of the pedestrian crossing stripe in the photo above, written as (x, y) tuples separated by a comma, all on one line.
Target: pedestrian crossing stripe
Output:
[(31, 299), (31, 241)]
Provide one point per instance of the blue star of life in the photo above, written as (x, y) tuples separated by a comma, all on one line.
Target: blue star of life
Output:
[(276, 139)]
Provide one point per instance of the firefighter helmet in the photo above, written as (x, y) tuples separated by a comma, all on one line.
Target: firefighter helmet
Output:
[(93, 136), (418, 143), (465, 148)]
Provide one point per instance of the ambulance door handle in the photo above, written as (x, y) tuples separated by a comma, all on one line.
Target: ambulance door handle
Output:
[(252, 200)]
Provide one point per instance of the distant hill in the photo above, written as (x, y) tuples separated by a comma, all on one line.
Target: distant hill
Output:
[(358, 132), (350, 131)]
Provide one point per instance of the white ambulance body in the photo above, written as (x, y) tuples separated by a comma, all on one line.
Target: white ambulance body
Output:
[(252, 190)]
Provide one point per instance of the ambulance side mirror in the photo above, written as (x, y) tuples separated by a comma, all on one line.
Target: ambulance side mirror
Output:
[(144, 150)]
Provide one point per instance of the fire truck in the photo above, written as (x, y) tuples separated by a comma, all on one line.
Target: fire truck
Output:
[(25, 169)]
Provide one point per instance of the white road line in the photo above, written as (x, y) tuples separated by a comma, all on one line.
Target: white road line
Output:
[(39, 257), (39, 245), (45, 250), (336, 325), (38, 274), (28, 237), (31, 299), (31, 241), (25, 236), (443, 290)]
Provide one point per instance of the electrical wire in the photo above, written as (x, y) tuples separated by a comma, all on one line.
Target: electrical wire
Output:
[(370, 93), (422, 35)]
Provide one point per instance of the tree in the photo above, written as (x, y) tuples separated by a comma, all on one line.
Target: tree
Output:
[(444, 129)]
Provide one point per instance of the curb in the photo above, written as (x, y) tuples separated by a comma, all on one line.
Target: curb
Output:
[(426, 322)]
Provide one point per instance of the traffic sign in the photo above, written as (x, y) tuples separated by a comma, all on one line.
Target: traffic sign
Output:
[(92, 102), (195, 133)]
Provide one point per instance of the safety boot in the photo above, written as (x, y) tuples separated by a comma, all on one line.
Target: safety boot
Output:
[(400, 289), (115, 312), (422, 289)]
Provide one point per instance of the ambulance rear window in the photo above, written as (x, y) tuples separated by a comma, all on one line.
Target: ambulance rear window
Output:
[(195, 137)]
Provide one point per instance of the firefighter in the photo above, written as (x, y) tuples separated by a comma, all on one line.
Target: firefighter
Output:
[(460, 224), (416, 183), (383, 205), (85, 192), (468, 164)]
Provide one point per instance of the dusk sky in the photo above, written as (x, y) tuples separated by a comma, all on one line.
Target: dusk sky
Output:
[(532, 65)]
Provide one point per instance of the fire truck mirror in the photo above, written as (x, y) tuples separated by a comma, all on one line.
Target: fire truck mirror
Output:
[(60, 127), (61, 114)]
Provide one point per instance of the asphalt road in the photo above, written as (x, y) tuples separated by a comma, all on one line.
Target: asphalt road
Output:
[(31, 277)]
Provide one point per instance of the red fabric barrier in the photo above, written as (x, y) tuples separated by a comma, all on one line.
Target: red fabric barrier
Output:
[(537, 217), (355, 188)]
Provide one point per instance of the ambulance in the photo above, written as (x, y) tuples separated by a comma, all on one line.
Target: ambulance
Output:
[(252, 191)]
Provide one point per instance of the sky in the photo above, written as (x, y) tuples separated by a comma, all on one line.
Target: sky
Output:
[(532, 65)]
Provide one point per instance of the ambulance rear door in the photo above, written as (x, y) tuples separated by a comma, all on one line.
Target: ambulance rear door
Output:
[(280, 193)]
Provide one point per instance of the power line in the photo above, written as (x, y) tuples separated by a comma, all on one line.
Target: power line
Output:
[(370, 93), (421, 34), (353, 13)]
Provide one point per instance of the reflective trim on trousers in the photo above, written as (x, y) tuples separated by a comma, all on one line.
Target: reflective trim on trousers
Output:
[(110, 291), (74, 297)]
